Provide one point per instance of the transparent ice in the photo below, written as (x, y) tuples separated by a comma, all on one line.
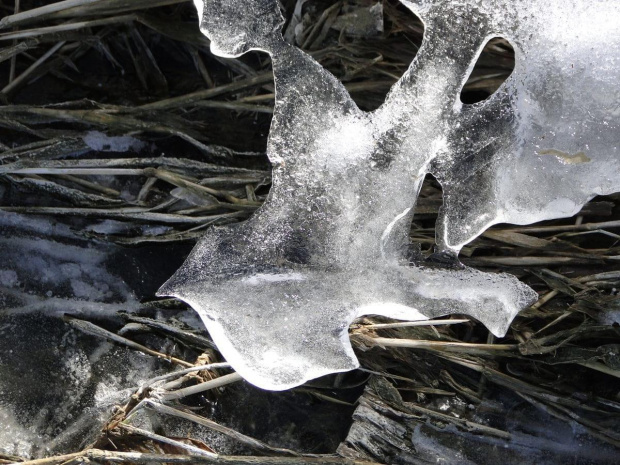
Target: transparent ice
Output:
[(279, 291), (58, 386)]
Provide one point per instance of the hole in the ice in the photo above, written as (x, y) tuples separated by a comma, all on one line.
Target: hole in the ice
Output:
[(494, 66), (422, 233)]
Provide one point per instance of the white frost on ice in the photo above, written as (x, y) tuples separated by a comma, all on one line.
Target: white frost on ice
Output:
[(42, 259), (259, 278), (57, 385), (101, 142), (9, 278)]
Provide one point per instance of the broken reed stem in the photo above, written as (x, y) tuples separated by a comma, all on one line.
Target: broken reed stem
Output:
[(242, 438), (76, 171), (599, 277), (67, 27), (134, 214), (538, 261), (127, 166), (235, 106), (202, 387), (544, 299), (164, 175), (18, 17), (469, 425), (176, 374), (189, 337), (90, 185), (194, 97), (178, 181), (458, 347), (32, 68), (407, 324), (554, 322), (90, 328), (5, 458), (156, 437), (14, 57), (565, 228), (109, 457)]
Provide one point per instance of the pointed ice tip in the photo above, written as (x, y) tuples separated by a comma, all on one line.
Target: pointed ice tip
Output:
[(163, 292), (168, 289), (500, 330), (284, 381), (499, 327), (291, 371)]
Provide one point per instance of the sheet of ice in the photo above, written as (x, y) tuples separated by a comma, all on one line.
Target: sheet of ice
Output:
[(58, 386), (46, 266), (278, 292)]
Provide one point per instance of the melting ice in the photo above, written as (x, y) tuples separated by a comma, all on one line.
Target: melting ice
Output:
[(278, 292)]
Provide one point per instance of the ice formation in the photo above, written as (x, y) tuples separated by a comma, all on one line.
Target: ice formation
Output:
[(279, 291), (58, 386)]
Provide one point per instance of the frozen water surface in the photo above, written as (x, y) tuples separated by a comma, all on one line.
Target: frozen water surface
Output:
[(58, 386), (278, 292)]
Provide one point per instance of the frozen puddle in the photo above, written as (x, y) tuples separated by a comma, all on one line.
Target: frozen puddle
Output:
[(57, 385)]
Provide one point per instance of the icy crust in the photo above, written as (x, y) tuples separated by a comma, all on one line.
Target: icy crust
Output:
[(279, 291), (282, 327), (58, 386)]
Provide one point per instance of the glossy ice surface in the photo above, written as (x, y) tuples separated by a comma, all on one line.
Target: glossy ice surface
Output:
[(279, 291)]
